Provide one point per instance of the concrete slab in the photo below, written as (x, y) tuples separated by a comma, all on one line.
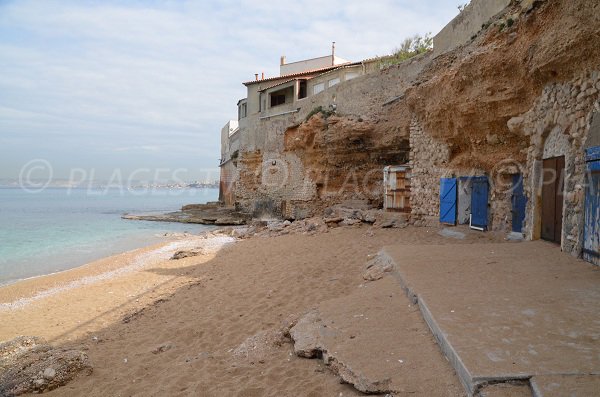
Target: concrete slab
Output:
[(376, 340), (506, 311), (565, 386)]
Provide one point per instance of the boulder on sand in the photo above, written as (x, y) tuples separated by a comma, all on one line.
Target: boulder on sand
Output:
[(30, 365)]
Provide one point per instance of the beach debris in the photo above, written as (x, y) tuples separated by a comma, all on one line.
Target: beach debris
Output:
[(313, 339), (28, 364), (378, 267), (307, 335), (187, 253), (162, 348)]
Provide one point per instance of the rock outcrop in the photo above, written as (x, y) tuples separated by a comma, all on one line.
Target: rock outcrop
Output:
[(204, 214), (31, 365)]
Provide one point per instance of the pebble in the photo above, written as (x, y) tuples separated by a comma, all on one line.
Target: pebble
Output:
[(49, 373)]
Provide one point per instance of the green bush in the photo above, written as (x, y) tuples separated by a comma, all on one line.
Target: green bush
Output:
[(409, 48)]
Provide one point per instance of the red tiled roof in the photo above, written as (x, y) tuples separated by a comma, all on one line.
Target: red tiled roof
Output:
[(285, 82), (280, 83), (292, 75)]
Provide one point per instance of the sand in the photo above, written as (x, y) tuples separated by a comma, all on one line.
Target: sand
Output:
[(160, 327)]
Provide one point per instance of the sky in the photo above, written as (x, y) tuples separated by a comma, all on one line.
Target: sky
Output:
[(117, 86)]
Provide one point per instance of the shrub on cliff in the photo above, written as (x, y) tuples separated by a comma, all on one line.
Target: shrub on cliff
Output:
[(409, 48)]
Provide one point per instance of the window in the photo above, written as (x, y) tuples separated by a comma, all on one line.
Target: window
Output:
[(302, 89), (333, 82), (318, 88), (351, 75), (277, 99), (242, 111)]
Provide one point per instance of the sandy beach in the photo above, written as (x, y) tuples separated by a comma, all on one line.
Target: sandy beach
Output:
[(199, 312), (70, 304)]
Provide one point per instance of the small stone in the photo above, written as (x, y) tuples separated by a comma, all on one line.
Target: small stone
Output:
[(492, 139), (49, 373), (162, 348)]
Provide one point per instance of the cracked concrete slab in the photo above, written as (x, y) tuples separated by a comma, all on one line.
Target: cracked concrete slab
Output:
[(376, 340), (504, 312)]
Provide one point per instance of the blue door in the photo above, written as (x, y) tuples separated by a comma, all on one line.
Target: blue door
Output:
[(448, 194), (479, 202), (519, 202), (591, 232)]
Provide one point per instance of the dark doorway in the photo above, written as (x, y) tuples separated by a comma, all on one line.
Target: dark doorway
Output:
[(302, 89), (591, 229), (552, 198), (519, 203)]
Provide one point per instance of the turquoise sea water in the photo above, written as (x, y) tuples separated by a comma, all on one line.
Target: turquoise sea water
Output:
[(58, 229)]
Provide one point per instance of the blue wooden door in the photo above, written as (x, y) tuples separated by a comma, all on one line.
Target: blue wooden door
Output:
[(448, 194), (479, 202), (519, 202), (591, 233)]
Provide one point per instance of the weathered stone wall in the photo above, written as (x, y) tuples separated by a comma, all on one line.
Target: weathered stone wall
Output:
[(272, 182), (428, 159), (559, 125), (227, 182)]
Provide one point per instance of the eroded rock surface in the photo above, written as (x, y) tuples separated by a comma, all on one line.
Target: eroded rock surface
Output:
[(31, 365)]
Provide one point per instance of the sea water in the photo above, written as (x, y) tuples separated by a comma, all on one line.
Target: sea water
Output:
[(59, 229)]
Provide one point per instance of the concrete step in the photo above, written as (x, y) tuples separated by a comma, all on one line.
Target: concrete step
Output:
[(507, 312)]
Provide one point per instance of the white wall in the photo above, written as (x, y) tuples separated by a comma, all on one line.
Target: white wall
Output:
[(310, 64)]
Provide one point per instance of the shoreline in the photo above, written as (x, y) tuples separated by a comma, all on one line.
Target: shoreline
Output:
[(99, 251), (142, 273)]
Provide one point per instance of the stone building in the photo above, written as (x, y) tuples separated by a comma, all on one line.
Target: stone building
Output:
[(505, 112), (272, 105)]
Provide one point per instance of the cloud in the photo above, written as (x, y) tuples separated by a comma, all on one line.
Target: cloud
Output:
[(97, 76)]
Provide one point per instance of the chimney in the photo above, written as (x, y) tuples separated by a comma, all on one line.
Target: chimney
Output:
[(256, 76), (263, 76), (282, 60), (333, 53)]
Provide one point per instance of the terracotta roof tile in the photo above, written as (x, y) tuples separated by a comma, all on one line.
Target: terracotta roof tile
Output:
[(292, 75)]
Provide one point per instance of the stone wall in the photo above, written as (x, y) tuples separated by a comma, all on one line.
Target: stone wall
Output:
[(227, 182), (559, 125), (460, 30), (428, 158)]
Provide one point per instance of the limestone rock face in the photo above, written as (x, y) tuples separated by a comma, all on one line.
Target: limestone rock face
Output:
[(31, 365)]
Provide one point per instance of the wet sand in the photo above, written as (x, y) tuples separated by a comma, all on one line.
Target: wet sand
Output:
[(70, 304)]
